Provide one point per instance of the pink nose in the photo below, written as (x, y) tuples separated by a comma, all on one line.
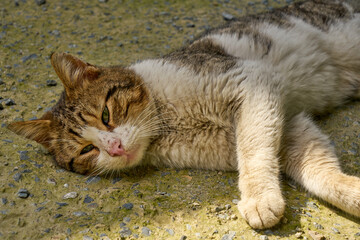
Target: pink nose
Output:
[(115, 148)]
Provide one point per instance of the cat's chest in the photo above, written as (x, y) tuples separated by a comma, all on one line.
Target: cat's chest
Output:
[(192, 139)]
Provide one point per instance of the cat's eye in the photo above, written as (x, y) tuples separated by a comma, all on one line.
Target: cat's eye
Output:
[(87, 149), (105, 116)]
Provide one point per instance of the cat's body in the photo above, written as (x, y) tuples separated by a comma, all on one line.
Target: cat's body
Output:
[(237, 98)]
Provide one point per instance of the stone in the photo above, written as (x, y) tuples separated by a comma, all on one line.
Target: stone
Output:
[(229, 236), (170, 231), (128, 206), (316, 236), (31, 56), (9, 102), (318, 226), (40, 2), (146, 231), (125, 232), (227, 16), (51, 83), (88, 199), (23, 193), (94, 179), (79, 214), (70, 195), (17, 177)]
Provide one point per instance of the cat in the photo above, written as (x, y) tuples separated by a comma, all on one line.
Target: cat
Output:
[(239, 98)]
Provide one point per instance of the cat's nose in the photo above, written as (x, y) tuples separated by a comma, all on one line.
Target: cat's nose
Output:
[(115, 148)]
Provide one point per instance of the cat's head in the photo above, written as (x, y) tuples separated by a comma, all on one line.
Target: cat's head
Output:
[(103, 121)]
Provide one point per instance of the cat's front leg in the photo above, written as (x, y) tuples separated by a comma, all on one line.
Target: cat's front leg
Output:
[(258, 133)]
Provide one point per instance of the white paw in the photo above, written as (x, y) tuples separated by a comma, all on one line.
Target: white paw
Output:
[(262, 212)]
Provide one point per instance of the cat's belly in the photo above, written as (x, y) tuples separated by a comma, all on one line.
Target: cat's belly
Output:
[(206, 148)]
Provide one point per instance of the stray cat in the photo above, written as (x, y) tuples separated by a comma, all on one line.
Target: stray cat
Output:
[(239, 98)]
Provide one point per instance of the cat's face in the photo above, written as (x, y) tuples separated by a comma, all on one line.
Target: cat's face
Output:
[(103, 121)]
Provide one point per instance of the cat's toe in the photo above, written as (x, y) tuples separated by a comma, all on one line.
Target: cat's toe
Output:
[(262, 213)]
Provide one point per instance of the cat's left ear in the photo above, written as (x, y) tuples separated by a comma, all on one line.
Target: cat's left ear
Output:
[(37, 130), (73, 72)]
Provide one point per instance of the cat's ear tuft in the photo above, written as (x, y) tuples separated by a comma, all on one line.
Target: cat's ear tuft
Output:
[(73, 72), (37, 130)]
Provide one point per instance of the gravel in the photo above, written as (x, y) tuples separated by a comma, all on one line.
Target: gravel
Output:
[(146, 231), (23, 193), (51, 83), (128, 206), (70, 195)]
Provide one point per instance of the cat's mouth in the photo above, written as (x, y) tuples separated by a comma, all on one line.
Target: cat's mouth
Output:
[(129, 156)]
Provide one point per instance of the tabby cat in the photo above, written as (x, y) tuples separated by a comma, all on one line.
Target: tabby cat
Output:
[(240, 98)]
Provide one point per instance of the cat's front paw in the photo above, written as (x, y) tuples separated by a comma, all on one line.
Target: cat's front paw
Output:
[(262, 212)]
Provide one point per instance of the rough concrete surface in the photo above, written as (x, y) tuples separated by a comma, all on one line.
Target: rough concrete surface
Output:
[(41, 201)]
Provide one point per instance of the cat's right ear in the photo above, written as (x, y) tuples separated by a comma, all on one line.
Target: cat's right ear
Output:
[(73, 72), (38, 130)]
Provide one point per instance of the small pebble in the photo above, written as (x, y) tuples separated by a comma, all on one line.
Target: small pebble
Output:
[(335, 230), (39, 209), (146, 231), (9, 102), (51, 83), (218, 208), (70, 195), (4, 201), (128, 206), (125, 232), (264, 237), (170, 231), (312, 205), (58, 215), (298, 235), (23, 155), (88, 199), (127, 219), (79, 214), (31, 56), (229, 236), (94, 179), (40, 2), (51, 181), (227, 16), (17, 177), (318, 226), (87, 238), (23, 193), (62, 204)]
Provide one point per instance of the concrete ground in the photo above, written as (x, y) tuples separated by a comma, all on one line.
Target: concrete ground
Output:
[(41, 201)]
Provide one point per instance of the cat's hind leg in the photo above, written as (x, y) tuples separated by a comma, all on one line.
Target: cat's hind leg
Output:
[(310, 160)]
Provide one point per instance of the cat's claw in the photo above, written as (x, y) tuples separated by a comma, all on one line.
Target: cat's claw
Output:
[(264, 212)]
